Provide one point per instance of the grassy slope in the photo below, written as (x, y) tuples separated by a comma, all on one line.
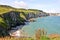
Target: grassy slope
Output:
[(5, 8)]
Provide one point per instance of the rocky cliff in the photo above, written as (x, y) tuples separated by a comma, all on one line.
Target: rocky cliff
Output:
[(35, 15)]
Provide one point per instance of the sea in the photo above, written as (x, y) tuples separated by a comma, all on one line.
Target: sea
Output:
[(50, 24)]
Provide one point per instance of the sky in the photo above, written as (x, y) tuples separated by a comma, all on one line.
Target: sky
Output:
[(49, 6)]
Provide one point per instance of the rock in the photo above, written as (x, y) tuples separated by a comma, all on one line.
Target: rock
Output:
[(18, 33)]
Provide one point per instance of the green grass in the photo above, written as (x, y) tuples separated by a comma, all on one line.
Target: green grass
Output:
[(44, 38), (5, 8)]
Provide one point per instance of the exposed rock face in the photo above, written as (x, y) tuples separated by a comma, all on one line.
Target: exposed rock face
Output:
[(12, 18), (34, 15)]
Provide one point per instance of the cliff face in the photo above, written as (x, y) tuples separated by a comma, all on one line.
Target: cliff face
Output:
[(35, 15), (12, 18)]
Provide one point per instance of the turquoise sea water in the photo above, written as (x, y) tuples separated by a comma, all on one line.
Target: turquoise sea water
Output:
[(51, 24)]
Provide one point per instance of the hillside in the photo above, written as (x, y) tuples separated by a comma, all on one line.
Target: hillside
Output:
[(5, 8)]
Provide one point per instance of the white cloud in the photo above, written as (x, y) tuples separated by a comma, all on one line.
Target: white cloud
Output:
[(20, 4)]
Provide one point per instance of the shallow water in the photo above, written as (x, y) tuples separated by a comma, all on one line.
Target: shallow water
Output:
[(51, 24)]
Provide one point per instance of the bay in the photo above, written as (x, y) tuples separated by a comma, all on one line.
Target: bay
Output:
[(50, 24)]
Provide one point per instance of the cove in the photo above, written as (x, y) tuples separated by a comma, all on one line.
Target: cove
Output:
[(51, 24)]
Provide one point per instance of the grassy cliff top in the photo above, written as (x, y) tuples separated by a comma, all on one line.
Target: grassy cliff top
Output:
[(6, 8)]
